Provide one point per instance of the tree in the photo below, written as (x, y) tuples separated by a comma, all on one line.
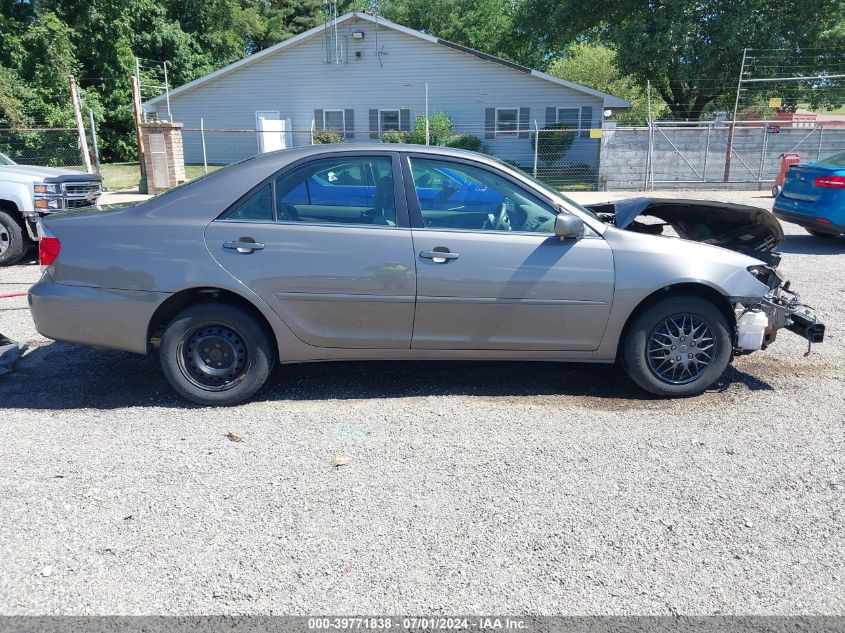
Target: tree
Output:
[(485, 25), (281, 19), (44, 41), (14, 96), (690, 50), (596, 66)]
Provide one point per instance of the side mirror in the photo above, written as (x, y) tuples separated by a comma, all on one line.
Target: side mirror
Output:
[(568, 226)]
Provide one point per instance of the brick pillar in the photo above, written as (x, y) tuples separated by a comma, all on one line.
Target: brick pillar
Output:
[(164, 158)]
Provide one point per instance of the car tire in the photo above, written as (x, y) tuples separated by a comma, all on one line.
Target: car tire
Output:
[(216, 354), (775, 191), (14, 243), (823, 234), (650, 360)]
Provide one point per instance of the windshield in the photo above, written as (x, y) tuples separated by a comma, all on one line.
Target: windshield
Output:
[(834, 160), (553, 192), (5, 160)]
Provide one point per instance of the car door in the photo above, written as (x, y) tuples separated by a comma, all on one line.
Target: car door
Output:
[(507, 282), (342, 276)]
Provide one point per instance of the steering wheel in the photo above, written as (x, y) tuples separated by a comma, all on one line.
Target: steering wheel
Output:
[(502, 221)]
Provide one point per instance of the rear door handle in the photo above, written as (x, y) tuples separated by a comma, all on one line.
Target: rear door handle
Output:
[(439, 257), (243, 245)]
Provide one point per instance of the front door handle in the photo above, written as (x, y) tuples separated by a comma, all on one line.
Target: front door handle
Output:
[(439, 256), (244, 245)]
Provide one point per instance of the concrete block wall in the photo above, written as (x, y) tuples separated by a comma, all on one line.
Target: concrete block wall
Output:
[(686, 157)]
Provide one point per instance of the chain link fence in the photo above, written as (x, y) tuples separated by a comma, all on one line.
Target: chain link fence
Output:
[(664, 155), (709, 155), (53, 147), (567, 159)]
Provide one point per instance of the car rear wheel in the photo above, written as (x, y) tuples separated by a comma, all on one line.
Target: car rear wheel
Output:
[(822, 234), (13, 240), (775, 191), (216, 354), (677, 347)]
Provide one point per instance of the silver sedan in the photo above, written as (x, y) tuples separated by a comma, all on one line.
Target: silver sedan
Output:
[(372, 251)]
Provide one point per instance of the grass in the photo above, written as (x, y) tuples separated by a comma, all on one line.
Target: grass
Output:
[(118, 176)]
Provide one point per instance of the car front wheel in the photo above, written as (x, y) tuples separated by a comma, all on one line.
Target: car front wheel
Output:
[(216, 354), (677, 347), (13, 240)]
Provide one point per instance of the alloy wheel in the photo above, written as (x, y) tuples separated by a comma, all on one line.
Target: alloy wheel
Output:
[(680, 349), (5, 239)]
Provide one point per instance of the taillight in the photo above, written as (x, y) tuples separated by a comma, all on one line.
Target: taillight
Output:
[(48, 250), (830, 182)]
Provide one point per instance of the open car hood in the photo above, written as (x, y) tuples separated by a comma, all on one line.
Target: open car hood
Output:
[(738, 227)]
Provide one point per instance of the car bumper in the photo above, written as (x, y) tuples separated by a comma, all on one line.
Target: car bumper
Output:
[(114, 319), (808, 221)]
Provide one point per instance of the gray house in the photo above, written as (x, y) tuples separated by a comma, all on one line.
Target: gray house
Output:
[(361, 75)]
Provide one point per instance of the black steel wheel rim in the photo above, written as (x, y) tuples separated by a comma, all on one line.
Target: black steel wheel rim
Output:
[(214, 357), (680, 349)]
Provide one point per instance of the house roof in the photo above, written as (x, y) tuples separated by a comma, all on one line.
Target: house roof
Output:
[(609, 101)]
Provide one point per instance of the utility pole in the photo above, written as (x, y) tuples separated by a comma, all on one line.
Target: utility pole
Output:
[(136, 110), (733, 123), (80, 128), (94, 141)]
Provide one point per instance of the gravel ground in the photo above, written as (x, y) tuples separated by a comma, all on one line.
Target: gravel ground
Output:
[(471, 488)]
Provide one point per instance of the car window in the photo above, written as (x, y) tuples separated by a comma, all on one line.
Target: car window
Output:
[(351, 175), (259, 206), (834, 160), (338, 191), (460, 196)]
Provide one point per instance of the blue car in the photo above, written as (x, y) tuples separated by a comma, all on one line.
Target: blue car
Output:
[(813, 196), (354, 188)]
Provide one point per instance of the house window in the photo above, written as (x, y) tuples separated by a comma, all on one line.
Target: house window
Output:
[(334, 120), (507, 120), (388, 120), (569, 116)]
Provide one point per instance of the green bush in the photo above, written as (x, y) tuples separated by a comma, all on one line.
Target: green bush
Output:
[(554, 141), (327, 137), (464, 141), (394, 136), (439, 129)]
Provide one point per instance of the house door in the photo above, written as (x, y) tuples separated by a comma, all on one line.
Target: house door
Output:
[(269, 136)]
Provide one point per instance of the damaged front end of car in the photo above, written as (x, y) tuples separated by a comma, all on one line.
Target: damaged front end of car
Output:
[(742, 228), (758, 320)]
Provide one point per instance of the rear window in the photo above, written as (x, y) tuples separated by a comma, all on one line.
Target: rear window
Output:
[(834, 160)]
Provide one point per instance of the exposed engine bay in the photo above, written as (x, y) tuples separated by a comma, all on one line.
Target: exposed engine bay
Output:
[(742, 228), (748, 230)]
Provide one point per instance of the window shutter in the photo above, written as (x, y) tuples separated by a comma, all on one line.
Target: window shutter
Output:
[(373, 123), (405, 119), (524, 116), (586, 120), (490, 123), (349, 123), (318, 119), (551, 116)]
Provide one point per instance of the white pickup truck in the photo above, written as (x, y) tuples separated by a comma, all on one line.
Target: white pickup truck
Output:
[(28, 193)]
